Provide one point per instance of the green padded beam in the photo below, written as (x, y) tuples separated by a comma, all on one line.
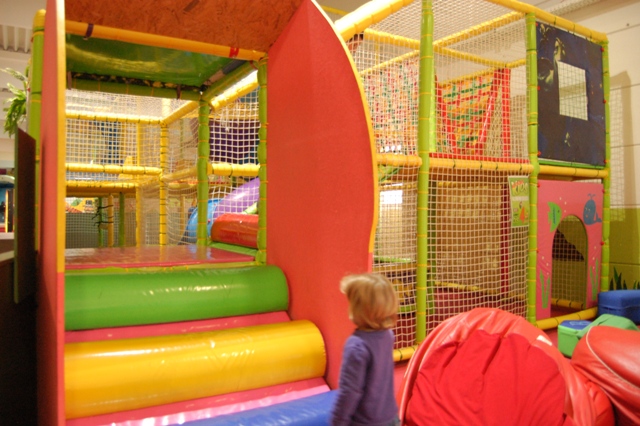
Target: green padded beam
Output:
[(99, 299)]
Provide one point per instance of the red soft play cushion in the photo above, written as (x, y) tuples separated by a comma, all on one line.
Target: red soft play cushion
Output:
[(485, 380), (236, 228), (491, 367), (610, 357)]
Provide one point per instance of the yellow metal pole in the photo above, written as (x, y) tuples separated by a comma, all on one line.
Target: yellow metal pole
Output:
[(122, 234), (552, 19), (400, 41), (334, 11), (404, 354), (90, 194), (482, 28), (112, 169), (164, 165), (444, 51), (139, 216), (180, 113), (118, 34), (549, 323), (233, 94), (399, 160), (111, 118), (218, 169), (183, 212), (100, 218), (110, 218), (100, 187), (510, 65), (366, 15), (576, 172), (391, 39), (454, 163), (397, 60)]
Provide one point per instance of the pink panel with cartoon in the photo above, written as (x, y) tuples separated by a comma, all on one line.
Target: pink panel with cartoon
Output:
[(559, 201)]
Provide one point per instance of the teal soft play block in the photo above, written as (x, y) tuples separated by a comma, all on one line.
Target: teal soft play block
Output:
[(569, 332)]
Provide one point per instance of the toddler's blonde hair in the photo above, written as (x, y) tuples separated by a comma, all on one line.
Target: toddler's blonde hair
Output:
[(373, 304)]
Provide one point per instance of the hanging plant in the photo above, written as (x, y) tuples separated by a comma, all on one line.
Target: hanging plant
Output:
[(17, 109)]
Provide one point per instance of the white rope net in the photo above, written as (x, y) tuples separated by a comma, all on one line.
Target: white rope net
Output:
[(107, 131), (476, 254)]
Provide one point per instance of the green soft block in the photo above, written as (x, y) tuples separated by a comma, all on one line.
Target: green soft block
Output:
[(569, 334), (611, 321)]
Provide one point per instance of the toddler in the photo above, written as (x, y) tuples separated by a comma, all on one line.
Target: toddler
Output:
[(365, 389)]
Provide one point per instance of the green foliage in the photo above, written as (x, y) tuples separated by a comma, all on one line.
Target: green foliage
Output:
[(17, 109), (617, 283), (545, 287)]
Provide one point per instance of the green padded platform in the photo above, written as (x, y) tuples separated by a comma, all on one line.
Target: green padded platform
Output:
[(99, 299)]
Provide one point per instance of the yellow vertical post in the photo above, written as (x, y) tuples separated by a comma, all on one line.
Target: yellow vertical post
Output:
[(110, 218), (183, 214), (122, 235), (164, 163), (139, 216), (100, 213)]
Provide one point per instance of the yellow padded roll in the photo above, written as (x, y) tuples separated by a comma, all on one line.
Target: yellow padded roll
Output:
[(110, 376)]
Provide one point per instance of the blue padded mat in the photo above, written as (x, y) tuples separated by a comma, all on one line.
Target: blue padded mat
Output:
[(310, 411)]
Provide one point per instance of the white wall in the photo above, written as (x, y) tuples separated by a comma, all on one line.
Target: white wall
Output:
[(620, 20), (16, 20), (19, 13)]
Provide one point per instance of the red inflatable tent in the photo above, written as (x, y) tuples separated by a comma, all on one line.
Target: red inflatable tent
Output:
[(491, 367)]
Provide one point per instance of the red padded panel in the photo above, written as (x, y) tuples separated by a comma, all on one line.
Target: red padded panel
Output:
[(236, 228), (50, 294), (320, 175), (610, 357)]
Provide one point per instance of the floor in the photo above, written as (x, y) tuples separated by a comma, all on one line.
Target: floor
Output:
[(18, 402)]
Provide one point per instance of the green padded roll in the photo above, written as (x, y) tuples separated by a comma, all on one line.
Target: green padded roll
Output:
[(99, 299)]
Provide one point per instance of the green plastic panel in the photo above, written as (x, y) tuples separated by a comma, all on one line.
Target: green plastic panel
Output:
[(234, 248), (98, 300), (108, 58)]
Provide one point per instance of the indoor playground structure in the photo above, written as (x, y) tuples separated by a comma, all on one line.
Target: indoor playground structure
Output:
[(234, 162)]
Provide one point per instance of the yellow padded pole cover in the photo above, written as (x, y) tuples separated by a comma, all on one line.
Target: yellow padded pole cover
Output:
[(110, 376)]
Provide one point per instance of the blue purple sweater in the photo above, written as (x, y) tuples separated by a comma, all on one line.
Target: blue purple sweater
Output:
[(365, 393)]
